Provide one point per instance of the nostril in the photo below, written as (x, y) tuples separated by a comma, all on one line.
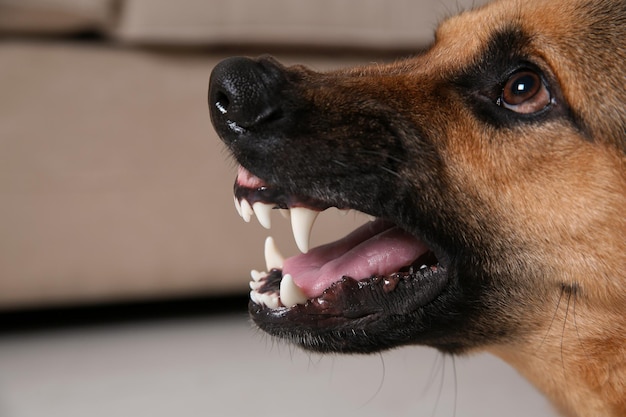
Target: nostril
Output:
[(222, 102), (245, 94)]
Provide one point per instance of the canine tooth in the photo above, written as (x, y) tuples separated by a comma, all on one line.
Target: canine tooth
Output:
[(246, 211), (290, 293), (263, 214), (302, 220), (237, 206), (273, 258)]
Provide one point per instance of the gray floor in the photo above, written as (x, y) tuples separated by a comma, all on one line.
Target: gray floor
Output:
[(221, 367)]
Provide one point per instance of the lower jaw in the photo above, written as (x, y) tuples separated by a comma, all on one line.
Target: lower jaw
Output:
[(357, 316)]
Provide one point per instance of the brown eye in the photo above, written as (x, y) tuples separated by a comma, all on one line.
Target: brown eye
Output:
[(525, 92)]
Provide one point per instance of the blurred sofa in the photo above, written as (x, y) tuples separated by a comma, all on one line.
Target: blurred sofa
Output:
[(113, 185)]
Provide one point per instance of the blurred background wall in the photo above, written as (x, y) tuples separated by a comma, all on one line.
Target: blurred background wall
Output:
[(113, 185)]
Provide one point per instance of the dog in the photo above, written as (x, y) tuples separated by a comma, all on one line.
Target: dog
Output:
[(493, 165)]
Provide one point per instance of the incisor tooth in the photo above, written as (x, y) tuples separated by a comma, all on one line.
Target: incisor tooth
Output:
[(273, 258), (302, 220), (246, 211), (270, 300), (290, 293), (257, 276), (263, 214)]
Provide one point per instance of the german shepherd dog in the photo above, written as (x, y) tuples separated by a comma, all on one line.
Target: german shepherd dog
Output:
[(494, 167)]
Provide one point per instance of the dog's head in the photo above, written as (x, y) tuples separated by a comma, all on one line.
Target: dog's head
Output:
[(494, 163)]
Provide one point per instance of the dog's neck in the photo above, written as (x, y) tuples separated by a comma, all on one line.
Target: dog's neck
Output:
[(590, 352)]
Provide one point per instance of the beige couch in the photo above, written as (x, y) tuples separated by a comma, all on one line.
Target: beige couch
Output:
[(113, 185)]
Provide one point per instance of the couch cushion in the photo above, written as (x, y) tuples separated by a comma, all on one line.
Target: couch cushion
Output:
[(113, 183)]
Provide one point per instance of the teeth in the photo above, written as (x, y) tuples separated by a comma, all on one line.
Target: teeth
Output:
[(257, 276), (263, 214), (254, 296), (273, 258), (271, 300), (237, 206), (302, 220), (246, 211), (290, 293)]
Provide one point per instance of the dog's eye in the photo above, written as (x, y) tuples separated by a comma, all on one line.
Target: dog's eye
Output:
[(525, 92)]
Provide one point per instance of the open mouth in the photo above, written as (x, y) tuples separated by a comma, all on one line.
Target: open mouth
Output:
[(353, 277)]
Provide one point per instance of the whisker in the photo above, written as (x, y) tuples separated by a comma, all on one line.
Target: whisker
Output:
[(569, 297), (556, 310), (443, 375), (366, 152), (341, 164), (434, 369), (456, 387), (387, 156), (390, 171), (580, 341), (380, 385)]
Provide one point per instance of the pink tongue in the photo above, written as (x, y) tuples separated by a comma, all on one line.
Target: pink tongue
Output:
[(376, 248)]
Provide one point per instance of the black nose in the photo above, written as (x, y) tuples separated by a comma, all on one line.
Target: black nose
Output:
[(244, 94)]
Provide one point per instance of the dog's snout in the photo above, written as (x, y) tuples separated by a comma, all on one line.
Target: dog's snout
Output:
[(243, 94)]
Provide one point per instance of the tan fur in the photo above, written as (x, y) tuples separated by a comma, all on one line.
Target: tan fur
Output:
[(576, 349), (574, 344)]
